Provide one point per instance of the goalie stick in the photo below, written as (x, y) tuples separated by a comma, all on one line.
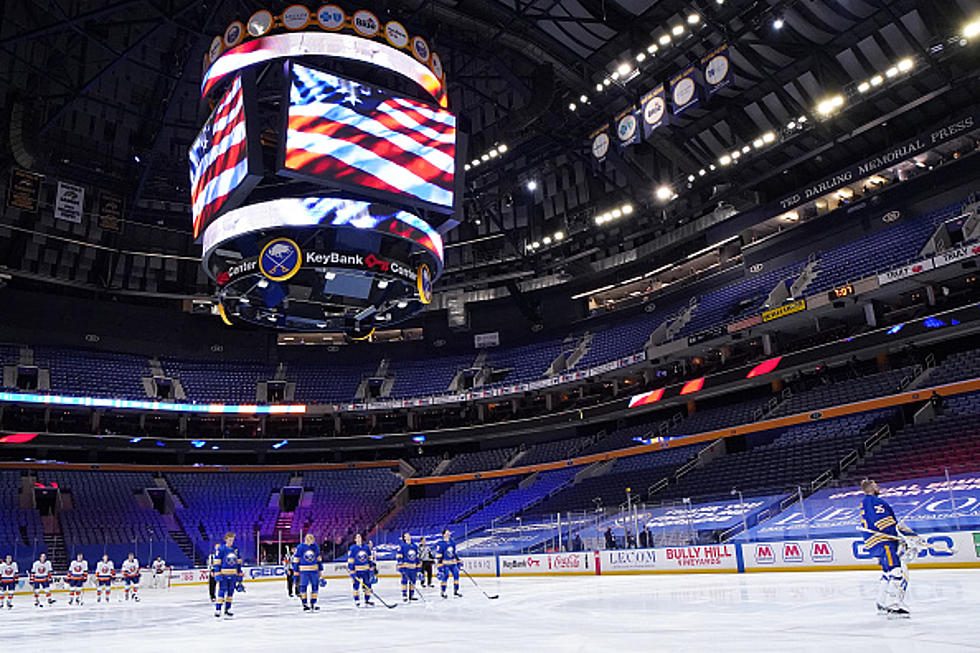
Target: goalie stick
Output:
[(940, 548)]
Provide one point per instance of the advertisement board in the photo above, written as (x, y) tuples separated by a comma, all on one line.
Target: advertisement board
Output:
[(681, 559), (550, 564)]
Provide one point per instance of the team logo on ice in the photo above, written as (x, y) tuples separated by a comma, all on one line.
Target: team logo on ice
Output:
[(280, 259)]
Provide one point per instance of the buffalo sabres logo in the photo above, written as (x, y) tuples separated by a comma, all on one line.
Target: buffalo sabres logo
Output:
[(423, 281), (308, 556), (280, 259), (361, 556), (411, 554), (231, 559), (449, 551)]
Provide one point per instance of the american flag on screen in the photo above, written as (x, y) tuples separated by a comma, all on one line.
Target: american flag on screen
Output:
[(347, 132), (218, 157)]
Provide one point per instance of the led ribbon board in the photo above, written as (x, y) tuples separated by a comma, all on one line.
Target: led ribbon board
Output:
[(326, 44), (324, 212), (101, 402), (348, 134)]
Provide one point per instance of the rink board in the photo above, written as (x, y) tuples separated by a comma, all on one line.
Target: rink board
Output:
[(832, 554)]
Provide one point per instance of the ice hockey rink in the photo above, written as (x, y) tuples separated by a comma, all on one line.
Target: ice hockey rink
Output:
[(803, 611)]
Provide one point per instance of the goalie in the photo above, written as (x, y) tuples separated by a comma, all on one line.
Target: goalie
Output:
[(892, 543)]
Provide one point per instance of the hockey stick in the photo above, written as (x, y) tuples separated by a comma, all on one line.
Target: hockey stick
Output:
[(944, 548), (380, 600), (465, 573)]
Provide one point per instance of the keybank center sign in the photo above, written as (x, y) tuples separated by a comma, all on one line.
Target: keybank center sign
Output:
[(878, 162)]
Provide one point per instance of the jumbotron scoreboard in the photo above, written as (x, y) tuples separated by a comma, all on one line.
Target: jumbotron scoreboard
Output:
[(324, 177)]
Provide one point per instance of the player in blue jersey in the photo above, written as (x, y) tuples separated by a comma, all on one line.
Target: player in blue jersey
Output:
[(447, 563), (359, 568), (408, 564), (884, 539), (307, 567), (226, 567)]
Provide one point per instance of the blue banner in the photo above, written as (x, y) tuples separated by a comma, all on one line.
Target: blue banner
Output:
[(627, 128), (600, 144), (717, 69), (653, 110), (684, 90), (925, 504)]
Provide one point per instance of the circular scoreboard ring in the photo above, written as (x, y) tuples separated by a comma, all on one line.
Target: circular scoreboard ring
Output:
[(322, 263)]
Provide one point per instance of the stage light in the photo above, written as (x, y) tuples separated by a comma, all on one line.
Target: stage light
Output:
[(616, 213), (971, 29), (664, 39), (702, 172), (493, 153), (653, 47), (691, 177), (677, 30), (693, 19), (382, 284), (791, 124), (863, 87), (829, 105), (559, 235), (641, 57), (801, 119), (615, 75), (535, 245), (745, 149), (905, 65), (475, 162), (571, 106), (546, 240), (467, 167), (664, 193), (598, 87), (485, 157), (583, 99), (136, 158), (502, 147), (724, 160), (531, 185), (735, 155), (606, 82), (711, 166), (627, 209), (778, 23), (891, 72), (877, 80), (401, 303), (624, 69)]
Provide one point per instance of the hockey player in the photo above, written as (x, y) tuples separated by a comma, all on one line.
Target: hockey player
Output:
[(77, 575), (408, 564), (883, 540), (41, 579), (307, 567), (226, 568), (447, 563), (8, 580), (159, 573), (105, 571), (131, 576), (359, 568)]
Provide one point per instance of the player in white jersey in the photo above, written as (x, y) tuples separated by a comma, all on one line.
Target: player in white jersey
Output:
[(8, 580), (159, 573), (131, 576), (41, 579), (77, 575), (105, 571)]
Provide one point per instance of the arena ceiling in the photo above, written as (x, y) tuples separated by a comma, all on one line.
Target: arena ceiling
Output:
[(106, 93)]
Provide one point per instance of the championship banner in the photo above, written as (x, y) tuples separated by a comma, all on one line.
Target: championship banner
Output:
[(653, 109), (627, 128), (717, 69), (600, 143), (24, 192), (110, 211), (684, 90), (69, 202)]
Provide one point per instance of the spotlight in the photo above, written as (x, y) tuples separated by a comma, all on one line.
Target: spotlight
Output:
[(598, 87), (702, 172), (475, 162), (677, 30), (571, 106), (559, 235), (624, 69), (606, 82), (262, 283), (493, 153), (583, 99), (402, 304), (615, 74), (768, 137), (535, 245), (136, 158), (891, 72), (330, 276), (757, 143), (467, 167), (735, 155), (531, 185), (653, 47), (971, 30), (502, 147), (725, 160), (864, 87), (831, 104), (664, 193), (711, 166), (791, 124), (485, 157), (382, 284), (617, 213), (778, 23), (627, 209), (546, 240), (877, 80), (664, 40), (693, 19), (641, 57), (745, 149), (691, 177), (905, 65)]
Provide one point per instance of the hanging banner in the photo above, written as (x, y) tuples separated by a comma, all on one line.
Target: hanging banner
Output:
[(600, 143), (110, 211), (627, 128), (69, 202), (717, 69), (24, 192), (653, 109), (684, 90)]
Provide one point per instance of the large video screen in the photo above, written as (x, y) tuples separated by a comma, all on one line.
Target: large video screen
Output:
[(345, 133), (219, 159)]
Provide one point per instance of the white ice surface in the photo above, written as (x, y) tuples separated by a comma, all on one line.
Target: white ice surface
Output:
[(830, 612)]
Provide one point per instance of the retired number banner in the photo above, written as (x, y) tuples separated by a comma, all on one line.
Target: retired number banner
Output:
[(24, 192), (684, 90), (717, 68), (653, 109)]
